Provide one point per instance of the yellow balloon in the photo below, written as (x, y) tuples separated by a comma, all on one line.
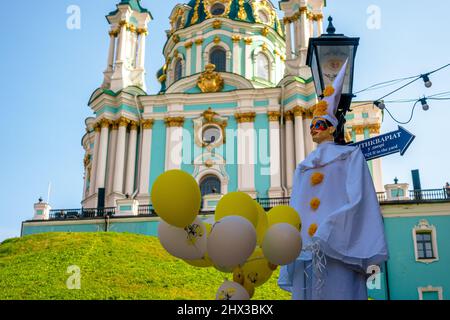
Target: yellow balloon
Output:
[(255, 271), (237, 204), (176, 198), (263, 223), (205, 262), (250, 288), (284, 214)]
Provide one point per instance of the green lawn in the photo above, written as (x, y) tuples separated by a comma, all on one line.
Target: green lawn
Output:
[(113, 266)]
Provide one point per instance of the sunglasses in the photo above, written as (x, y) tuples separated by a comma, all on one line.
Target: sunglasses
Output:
[(319, 125)]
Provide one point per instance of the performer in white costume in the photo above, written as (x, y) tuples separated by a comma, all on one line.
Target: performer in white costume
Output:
[(343, 231)]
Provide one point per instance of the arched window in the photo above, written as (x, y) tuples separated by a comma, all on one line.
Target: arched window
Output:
[(178, 24), (217, 9), (262, 66), (210, 184), (178, 71), (218, 57)]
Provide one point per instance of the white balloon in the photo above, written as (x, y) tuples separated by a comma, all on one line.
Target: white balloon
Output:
[(188, 243), (230, 290), (282, 244), (231, 242)]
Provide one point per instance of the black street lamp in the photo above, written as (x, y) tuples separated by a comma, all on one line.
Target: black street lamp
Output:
[(326, 55)]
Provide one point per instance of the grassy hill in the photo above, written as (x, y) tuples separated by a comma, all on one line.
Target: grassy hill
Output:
[(112, 265)]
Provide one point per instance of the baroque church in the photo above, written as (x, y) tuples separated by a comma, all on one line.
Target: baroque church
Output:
[(233, 109)]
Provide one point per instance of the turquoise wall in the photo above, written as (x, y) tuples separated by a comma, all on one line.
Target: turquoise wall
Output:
[(188, 147), (231, 154), (149, 228), (262, 157), (158, 158)]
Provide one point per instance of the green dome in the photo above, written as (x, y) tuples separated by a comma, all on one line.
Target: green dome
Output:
[(236, 10)]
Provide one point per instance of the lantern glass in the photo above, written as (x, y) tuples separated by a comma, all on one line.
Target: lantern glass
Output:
[(331, 60)]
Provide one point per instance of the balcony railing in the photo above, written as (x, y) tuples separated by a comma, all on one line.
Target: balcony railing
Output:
[(413, 196), (77, 214)]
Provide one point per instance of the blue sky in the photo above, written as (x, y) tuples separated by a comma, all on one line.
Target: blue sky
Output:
[(49, 73)]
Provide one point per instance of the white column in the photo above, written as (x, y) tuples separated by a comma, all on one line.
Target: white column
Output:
[(298, 36), (141, 49), (299, 135), (119, 165), (275, 155), (102, 155), (248, 59), (304, 29), (236, 55), (377, 175), (111, 160), (121, 46), (246, 153), (320, 26), (287, 28), (290, 153), (188, 64), (146, 142), (198, 63), (309, 143), (92, 189), (131, 160), (112, 44), (311, 27), (174, 142)]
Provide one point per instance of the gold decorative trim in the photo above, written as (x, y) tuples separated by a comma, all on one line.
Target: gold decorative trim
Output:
[(188, 44), (134, 125), (264, 6), (248, 41), (245, 117), (123, 122), (209, 80), (143, 31), (242, 14), (207, 4), (148, 123), (175, 17), (299, 111), (217, 24), (274, 116), (374, 128), (265, 31), (212, 118), (176, 38), (174, 121), (236, 38), (198, 41), (289, 115), (217, 40), (195, 16)]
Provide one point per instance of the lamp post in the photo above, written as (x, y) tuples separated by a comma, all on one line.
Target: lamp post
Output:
[(326, 55)]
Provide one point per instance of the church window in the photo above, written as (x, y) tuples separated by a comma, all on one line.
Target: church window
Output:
[(210, 185), (262, 66), (178, 70), (263, 17), (179, 21), (217, 9), (218, 58), (425, 242), (211, 135)]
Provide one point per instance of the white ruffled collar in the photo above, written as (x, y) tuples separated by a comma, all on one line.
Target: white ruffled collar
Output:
[(326, 153)]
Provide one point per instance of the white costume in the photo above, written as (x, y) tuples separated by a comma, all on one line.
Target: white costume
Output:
[(342, 227)]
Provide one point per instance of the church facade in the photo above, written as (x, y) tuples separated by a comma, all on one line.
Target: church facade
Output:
[(233, 109)]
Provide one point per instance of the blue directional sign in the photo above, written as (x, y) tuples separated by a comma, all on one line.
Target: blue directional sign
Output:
[(386, 144)]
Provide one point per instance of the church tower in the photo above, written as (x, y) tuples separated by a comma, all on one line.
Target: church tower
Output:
[(303, 19), (126, 57)]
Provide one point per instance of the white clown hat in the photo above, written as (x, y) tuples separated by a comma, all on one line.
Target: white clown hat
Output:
[(327, 107)]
